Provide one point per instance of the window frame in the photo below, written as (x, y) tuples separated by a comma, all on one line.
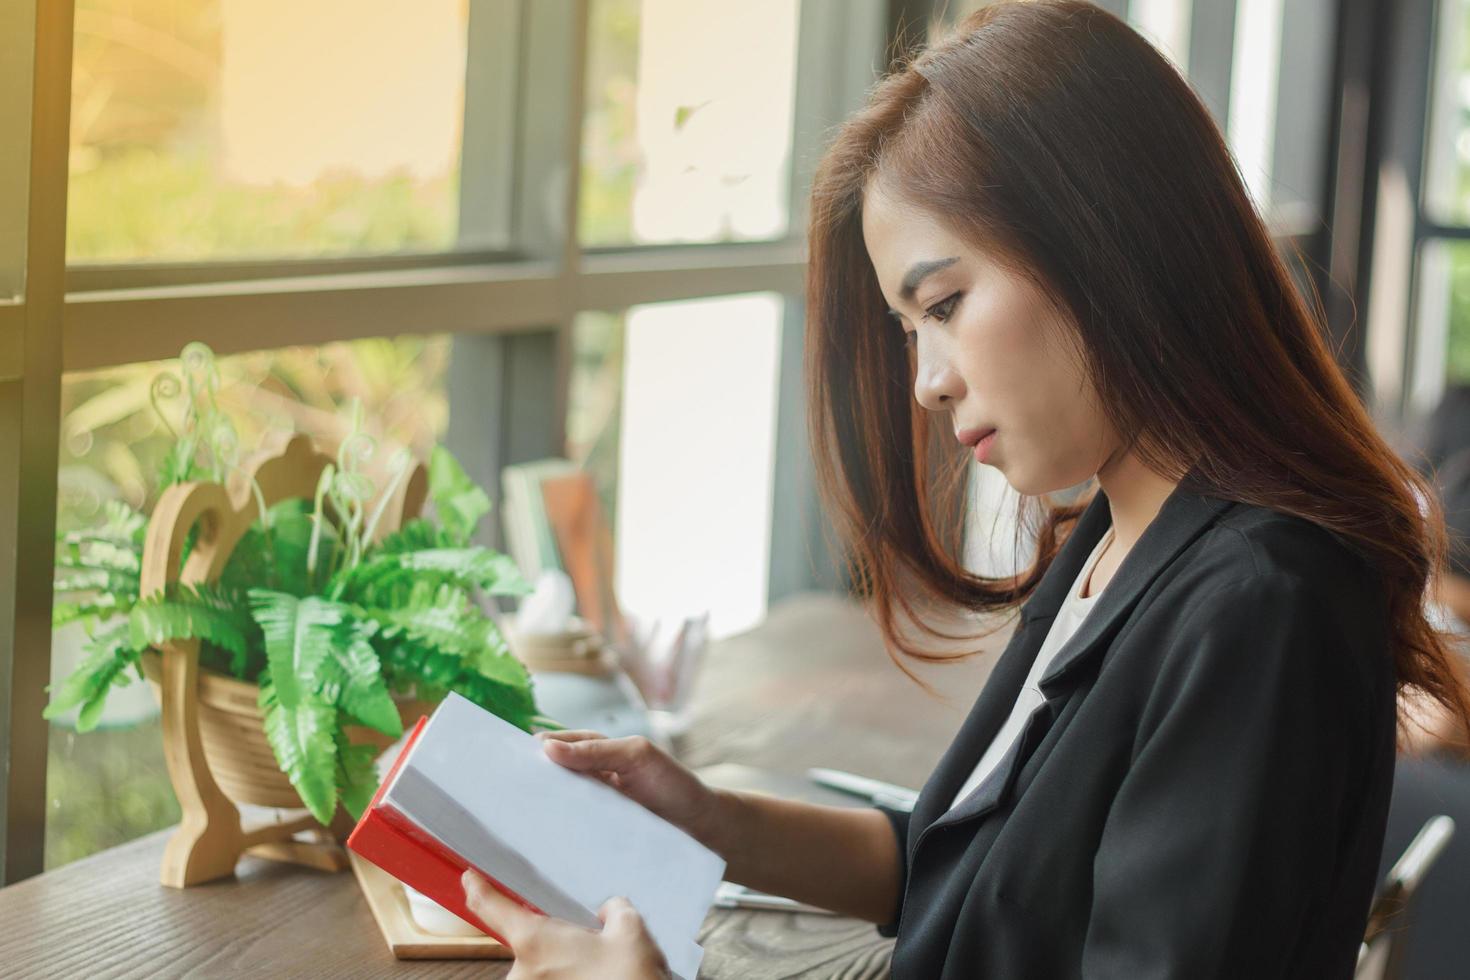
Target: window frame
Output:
[(30, 390)]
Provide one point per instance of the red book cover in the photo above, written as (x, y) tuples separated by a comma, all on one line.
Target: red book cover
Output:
[(392, 842)]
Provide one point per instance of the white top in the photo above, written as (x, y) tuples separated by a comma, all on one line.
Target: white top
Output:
[(1073, 610)]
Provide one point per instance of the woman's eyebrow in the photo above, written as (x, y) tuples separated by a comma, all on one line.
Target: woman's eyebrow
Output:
[(919, 271), (917, 274)]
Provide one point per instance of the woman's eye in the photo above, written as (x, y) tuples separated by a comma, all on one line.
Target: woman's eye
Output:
[(943, 309)]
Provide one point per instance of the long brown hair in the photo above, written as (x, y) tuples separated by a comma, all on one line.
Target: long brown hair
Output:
[(1054, 137)]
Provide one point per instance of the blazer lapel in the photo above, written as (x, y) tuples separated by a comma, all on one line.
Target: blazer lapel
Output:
[(1182, 518), (1003, 686)]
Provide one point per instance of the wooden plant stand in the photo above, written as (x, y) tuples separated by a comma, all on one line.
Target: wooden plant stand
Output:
[(213, 740)]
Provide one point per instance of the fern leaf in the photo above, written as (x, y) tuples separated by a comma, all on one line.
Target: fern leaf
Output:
[(472, 567), (298, 636), (121, 526), (317, 652), (102, 606), (71, 578), (190, 613), (109, 655), (274, 558), (459, 503), (515, 705), (249, 563), (357, 775), (289, 540), (304, 742), (352, 679), (415, 535), (449, 622), (493, 660), (434, 671), (106, 555)]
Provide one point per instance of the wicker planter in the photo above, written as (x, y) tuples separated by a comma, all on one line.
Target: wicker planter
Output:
[(233, 736)]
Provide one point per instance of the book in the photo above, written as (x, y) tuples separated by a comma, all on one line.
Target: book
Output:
[(528, 534), (584, 542), (469, 789)]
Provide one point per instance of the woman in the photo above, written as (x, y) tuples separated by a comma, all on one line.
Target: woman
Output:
[(1180, 766)]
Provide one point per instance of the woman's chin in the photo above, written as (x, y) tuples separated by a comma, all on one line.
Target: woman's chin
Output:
[(1031, 484)]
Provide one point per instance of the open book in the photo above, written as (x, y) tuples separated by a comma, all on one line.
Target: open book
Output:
[(471, 789)]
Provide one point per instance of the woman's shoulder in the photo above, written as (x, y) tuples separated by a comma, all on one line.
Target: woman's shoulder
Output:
[(1252, 546), (1279, 587)]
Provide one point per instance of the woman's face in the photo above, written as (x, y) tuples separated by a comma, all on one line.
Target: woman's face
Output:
[(990, 350)]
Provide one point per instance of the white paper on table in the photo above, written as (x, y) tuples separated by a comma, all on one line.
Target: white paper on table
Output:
[(563, 840)]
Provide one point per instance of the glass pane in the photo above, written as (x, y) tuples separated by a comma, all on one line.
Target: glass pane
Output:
[(672, 408), (1441, 349), (685, 140), (1254, 77), (1165, 23), (1447, 169), (110, 785), (206, 129), (17, 60)]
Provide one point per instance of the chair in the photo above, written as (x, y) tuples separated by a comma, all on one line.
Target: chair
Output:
[(1381, 955)]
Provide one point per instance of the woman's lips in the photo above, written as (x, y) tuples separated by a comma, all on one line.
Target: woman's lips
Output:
[(982, 448), (979, 441)]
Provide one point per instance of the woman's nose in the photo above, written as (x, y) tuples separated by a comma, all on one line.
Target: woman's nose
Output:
[(937, 386)]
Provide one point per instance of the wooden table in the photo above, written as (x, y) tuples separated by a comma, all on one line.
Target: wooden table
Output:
[(810, 686)]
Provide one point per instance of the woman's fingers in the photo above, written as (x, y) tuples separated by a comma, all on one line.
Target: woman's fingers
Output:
[(619, 916), (496, 909), (570, 735), (610, 754), (622, 924), (575, 759)]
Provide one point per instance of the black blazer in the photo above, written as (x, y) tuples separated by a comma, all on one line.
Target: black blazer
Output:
[(1204, 791)]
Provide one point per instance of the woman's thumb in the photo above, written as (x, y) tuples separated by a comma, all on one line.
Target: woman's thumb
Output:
[(618, 916), (591, 753)]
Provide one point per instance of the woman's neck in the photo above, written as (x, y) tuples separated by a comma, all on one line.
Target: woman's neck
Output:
[(1135, 494)]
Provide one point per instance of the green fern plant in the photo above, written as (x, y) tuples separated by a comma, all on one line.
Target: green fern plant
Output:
[(328, 622)]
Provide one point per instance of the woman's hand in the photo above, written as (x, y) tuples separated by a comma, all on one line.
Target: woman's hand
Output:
[(644, 773), (555, 949)]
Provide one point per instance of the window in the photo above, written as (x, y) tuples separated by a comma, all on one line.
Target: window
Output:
[(1447, 164), (689, 121), (696, 458), (679, 415), (1440, 352), (1166, 24), (405, 178), (229, 128)]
